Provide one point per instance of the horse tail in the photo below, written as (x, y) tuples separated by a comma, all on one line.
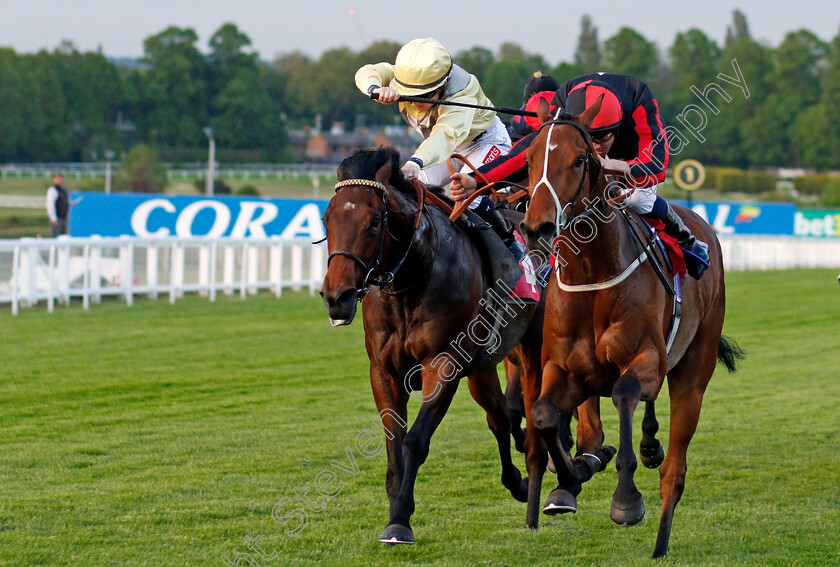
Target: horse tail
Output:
[(729, 352)]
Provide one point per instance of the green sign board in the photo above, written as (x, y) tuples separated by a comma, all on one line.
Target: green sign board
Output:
[(815, 222), (689, 175)]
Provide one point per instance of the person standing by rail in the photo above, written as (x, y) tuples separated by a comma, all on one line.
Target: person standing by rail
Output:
[(58, 205)]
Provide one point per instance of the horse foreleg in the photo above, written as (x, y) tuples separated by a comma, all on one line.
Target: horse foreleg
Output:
[(628, 507), (559, 394), (392, 409), (486, 391), (437, 395)]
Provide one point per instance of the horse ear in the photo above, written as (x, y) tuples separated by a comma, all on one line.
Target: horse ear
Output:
[(384, 173), (586, 117), (543, 112)]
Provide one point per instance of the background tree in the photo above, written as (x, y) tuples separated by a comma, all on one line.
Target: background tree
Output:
[(629, 53), (141, 171), (13, 122), (588, 52), (176, 90), (228, 55), (475, 60)]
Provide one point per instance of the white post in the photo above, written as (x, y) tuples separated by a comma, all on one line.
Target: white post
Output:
[(254, 268), (173, 269), (214, 254), (127, 269), (244, 270), (152, 270), (276, 268), (230, 260), (51, 292), (316, 268), (86, 279), (211, 161), (96, 271), (297, 266), (204, 269), (15, 280), (109, 155)]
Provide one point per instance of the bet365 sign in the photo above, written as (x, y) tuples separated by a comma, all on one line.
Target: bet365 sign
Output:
[(817, 223)]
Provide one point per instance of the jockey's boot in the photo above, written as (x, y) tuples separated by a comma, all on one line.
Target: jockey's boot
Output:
[(696, 252), (504, 228)]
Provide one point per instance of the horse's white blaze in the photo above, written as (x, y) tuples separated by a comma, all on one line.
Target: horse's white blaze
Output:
[(560, 217), (349, 206)]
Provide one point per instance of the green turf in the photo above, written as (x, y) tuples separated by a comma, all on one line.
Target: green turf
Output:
[(163, 435)]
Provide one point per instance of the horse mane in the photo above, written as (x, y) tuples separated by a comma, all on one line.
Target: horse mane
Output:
[(364, 163)]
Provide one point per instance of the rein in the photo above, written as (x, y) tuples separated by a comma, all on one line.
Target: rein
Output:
[(376, 260)]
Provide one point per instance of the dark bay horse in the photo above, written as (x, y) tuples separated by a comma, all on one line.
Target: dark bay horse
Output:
[(606, 321), (426, 318)]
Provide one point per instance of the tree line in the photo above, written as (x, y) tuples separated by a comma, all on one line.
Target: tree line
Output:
[(70, 106)]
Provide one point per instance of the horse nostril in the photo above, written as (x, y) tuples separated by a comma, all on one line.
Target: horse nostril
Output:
[(546, 232), (346, 298)]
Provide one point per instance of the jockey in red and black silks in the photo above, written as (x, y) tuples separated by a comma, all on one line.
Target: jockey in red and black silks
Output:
[(629, 136)]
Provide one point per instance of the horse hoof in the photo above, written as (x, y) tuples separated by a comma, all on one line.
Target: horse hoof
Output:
[(396, 533), (652, 458), (551, 468), (627, 513), (560, 501)]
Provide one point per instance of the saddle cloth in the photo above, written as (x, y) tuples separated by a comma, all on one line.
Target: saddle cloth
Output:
[(527, 287), (670, 243)]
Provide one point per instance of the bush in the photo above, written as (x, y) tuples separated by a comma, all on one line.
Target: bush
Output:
[(812, 184), (830, 196), (753, 182), (219, 186), (141, 172), (248, 191)]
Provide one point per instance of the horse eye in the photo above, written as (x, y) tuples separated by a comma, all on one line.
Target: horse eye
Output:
[(579, 161), (374, 223)]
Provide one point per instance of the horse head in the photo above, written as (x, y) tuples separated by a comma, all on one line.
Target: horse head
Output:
[(562, 163), (356, 221)]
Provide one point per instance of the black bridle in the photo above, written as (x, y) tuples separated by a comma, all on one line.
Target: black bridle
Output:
[(560, 211), (376, 260)]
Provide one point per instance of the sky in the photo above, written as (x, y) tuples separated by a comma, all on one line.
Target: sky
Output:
[(550, 28)]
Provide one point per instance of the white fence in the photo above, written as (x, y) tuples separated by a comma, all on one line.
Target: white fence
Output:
[(779, 252), (34, 270), (50, 270)]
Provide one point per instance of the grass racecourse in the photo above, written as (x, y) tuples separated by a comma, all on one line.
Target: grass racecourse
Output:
[(165, 435)]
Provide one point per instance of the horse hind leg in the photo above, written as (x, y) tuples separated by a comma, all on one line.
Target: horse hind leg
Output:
[(487, 393), (515, 404), (651, 451), (686, 383), (590, 432)]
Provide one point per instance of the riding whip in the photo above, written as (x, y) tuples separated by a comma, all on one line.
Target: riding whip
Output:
[(500, 109)]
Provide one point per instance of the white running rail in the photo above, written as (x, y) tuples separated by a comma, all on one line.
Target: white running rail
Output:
[(33, 270)]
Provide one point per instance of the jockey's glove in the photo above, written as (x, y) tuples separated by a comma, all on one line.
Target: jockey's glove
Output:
[(410, 170)]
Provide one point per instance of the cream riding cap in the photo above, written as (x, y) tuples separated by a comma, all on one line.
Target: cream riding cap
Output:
[(422, 65)]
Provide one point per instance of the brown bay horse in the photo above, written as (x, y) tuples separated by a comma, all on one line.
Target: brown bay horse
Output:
[(606, 321), (427, 322)]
